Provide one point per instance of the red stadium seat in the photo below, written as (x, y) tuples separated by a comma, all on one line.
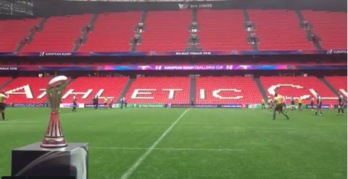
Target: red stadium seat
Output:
[(157, 90), (222, 30), (330, 26), (305, 87), (339, 83), (59, 34), (13, 31), (227, 90), (89, 87), (27, 90), (279, 30), (166, 31), (112, 32)]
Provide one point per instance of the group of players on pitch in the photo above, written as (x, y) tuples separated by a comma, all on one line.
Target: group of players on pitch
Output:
[(279, 105), (107, 103)]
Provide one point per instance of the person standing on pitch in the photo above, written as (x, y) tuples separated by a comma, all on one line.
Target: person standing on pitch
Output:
[(3, 98), (293, 103), (340, 105), (106, 103), (263, 104), (125, 102), (312, 103), (74, 103), (319, 103), (111, 102), (279, 106), (122, 102)]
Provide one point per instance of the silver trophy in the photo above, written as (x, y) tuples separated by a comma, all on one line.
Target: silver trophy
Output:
[(54, 137)]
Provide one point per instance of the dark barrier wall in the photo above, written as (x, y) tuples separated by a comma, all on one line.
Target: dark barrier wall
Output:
[(59, 8)]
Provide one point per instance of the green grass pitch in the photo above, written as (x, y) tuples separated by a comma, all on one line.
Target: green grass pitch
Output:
[(202, 144)]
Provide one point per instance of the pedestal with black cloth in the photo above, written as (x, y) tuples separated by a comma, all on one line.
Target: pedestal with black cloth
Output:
[(33, 160)]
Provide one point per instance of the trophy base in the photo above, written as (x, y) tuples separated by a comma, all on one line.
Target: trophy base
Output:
[(33, 160), (49, 142)]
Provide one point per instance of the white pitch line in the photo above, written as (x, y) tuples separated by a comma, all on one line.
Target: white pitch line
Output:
[(153, 146), (172, 149)]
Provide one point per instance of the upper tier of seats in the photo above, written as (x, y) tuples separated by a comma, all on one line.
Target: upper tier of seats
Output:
[(157, 90), (13, 31), (339, 83), (112, 32), (227, 90), (304, 87), (330, 26), (166, 31), (59, 34), (27, 90), (88, 87), (222, 30), (279, 30)]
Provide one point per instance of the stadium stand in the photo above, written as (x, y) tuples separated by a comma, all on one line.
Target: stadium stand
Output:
[(301, 86), (158, 93), (330, 26), (222, 30), (279, 30), (3, 80), (59, 34), (166, 31), (246, 90), (339, 83), (112, 86), (27, 90), (13, 31), (112, 32)]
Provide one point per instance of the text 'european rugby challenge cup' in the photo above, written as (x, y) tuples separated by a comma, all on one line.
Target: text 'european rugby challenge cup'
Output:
[(54, 137)]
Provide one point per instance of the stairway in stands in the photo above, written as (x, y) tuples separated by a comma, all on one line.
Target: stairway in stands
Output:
[(279, 30), (331, 27), (193, 88), (112, 32), (13, 32), (308, 30), (339, 83), (59, 34), (88, 28), (139, 32)]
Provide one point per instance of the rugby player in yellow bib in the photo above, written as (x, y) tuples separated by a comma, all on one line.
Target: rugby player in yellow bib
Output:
[(278, 100), (300, 104)]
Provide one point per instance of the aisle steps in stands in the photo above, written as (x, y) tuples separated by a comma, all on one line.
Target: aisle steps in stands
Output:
[(329, 85), (261, 88), (193, 88), (135, 44), (193, 46), (247, 18), (126, 89), (30, 37), (84, 36), (308, 30), (6, 83)]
